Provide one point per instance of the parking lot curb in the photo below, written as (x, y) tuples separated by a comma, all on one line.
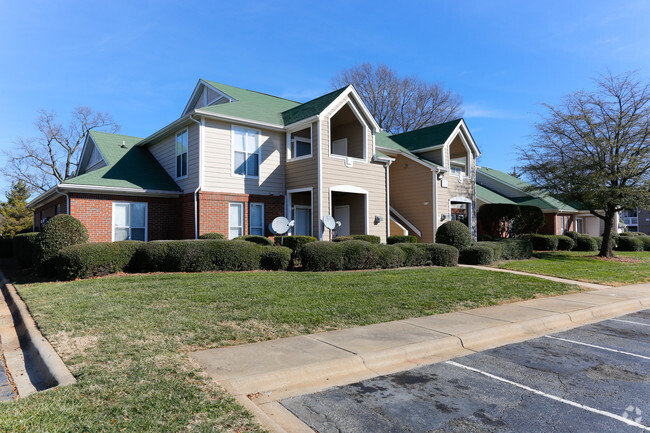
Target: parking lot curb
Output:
[(22, 339)]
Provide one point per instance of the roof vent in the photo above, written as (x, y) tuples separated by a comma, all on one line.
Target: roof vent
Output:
[(123, 146)]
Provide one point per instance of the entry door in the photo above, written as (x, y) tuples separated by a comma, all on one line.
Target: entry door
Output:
[(302, 221), (342, 214)]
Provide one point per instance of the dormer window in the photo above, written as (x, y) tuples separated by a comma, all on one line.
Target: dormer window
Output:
[(459, 157), (300, 144), (181, 154), (347, 134), (95, 157)]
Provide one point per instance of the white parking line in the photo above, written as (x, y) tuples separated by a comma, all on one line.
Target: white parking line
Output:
[(630, 321), (598, 347), (553, 397)]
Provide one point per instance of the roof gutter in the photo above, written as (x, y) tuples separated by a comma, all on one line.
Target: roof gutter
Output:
[(67, 199)]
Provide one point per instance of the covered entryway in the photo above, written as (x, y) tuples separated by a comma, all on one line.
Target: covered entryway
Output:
[(460, 209), (301, 211), (350, 210)]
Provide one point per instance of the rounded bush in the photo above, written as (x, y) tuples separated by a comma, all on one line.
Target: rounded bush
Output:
[(630, 243), (573, 235), (599, 242), (415, 254), (24, 248), (321, 256), (498, 249), (565, 243), (476, 255), (586, 243), (398, 239), (441, 254), (359, 255), (632, 234), (454, 233), (545, 242), (516, 249), (150, 257), (482, 237), (275, 258), (256, 239), (59, 232), (390, 256), (646, 242), (368, 238), (295, 243), (95, 259), (235, 255), (212, 236)]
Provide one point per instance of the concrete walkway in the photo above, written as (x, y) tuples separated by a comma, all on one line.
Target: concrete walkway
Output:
[(6, 390), (261, 374)]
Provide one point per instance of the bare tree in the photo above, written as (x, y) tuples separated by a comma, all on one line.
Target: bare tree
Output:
[(52, 157), (594, 148), (400, 104)]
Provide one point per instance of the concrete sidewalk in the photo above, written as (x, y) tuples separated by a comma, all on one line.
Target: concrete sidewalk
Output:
[(261, 374)]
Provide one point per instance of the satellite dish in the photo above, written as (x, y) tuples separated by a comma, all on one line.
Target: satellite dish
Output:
[(329, 222), (281, 225)]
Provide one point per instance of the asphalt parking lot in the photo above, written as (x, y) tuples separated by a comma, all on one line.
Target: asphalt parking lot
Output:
[(594, 378)]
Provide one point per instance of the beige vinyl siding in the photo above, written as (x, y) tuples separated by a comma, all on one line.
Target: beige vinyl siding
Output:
[(411, 185), (465, 189), (218, 176), (164, 150)]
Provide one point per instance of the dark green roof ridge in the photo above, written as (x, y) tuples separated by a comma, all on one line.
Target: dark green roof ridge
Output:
[(426, 137), (310, 108)]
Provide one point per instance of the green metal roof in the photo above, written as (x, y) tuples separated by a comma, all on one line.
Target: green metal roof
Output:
[(127, 167), (489, 196), (426, 137), (385, 140), (311, 108), (539, 198)]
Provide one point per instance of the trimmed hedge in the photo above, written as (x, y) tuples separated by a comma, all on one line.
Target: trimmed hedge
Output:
[(630, 243), (368, 238), (24, 248), (398, 239), (275, 258), (482, 237), (59, 232), (256, 239), (565, 243), (321, 256), (509, 249), (454, 233), (390, 256), (415, 254), (545, 242), (586, 243), (359, 255), (599, 242), (295, 244), (498, 249), (212, 236), (632, 234), (573, 235), (6, 248), (150, 257), (441, 254), (646, 242), (94, 259), (477, 255)]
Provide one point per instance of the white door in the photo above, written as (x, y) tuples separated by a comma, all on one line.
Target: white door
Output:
[(302, 221), (342, 215)]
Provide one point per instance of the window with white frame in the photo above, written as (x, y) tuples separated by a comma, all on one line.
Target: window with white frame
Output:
[(129, 221), (300, 144), (235, 220), (181, 154), (257, 219), (245, 151)]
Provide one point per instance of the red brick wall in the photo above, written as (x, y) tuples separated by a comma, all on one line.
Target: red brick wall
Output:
[(95, 212), (49, 210), (187, 216), (213, 210)]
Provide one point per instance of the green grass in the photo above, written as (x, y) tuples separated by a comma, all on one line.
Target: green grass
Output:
[(584, 266), (126, 338)]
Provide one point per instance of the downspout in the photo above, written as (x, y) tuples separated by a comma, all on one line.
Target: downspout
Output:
[(320, 180), (67, 199), (388, 200), (196, 191), (435, 202)]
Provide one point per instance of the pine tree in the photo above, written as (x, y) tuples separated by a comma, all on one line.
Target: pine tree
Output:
[(14, 212)]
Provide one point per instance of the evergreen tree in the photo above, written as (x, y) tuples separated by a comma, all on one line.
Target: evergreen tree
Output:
[(14, 212)]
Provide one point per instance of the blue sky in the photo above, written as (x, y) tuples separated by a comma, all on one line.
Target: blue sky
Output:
[(141, 60)]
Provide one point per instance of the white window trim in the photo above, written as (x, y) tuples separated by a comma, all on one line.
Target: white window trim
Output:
[(250, 216), (146, 218), (243, 216), (290, 143), (365, 135), (311, 216), (292, 149), (186, 130), (232, 152)]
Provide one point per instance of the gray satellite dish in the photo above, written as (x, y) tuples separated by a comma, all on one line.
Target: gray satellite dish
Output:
[(329, 222), (281, 225)]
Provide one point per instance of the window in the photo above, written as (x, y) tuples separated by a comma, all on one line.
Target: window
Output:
[(235, 220), (302, 218), (580, 225), (300, 146), (245, 151), (257, 219), (456, 170), (181, 154), (57, 210), (129, 221)]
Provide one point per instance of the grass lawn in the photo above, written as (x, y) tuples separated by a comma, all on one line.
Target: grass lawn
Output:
[(630, 268), (125, 338)]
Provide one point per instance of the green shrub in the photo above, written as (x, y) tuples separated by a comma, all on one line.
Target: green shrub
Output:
[(482, 237), (415, 254), (321, 256), (630, 243), (441, 254), (150, 257), (59, 232), (530, 220), (454, 233), (565, 243), (359, 255), (295, 243), (213, 236), (516, 249), (544, 242), (573, 235), (599, 242), (256, 239), (188, 256), (235, 255), (646, 242), (94, 259), (24, 246), (6, 248), (498, 249), (496, 218), (398, 239), (368, 238), (586, 243), (476, 255), (631, 234), (275, 258), (390, 256)]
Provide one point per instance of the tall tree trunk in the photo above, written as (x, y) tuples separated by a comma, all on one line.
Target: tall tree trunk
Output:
[(610, 224)]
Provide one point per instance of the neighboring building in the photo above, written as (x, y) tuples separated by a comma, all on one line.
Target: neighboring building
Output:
[(494, 186), (432, 178), (235, 160), (636, 220)]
